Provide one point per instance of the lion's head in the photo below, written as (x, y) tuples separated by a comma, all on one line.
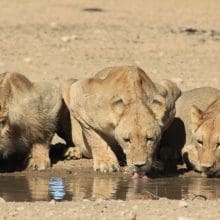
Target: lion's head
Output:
[(11, 86), (206, 138), (142, 111), (138, 133)]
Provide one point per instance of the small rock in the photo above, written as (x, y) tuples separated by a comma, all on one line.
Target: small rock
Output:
[(27, 59), (131, 216), (123, 213), (73, 37), (52, 201), (163, 199), (2, 200), (98, 201), (13, 213), (65, 39), (182, 218), (135, 207), (53, 25), (21, 208), (183, 204), (161, 54)]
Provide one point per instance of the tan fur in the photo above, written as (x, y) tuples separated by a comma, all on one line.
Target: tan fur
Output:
[(192, 125), (28, 117), (120, 110), (65, 87), (64, 122), (204, 150)]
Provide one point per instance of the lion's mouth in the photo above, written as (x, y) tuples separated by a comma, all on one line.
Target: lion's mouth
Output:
[(139, 174), (140, 171)]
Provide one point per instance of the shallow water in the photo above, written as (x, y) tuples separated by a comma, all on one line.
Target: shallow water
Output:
[(25, 188)]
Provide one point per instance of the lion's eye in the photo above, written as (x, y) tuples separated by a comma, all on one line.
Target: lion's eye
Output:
[(200, 142), (147, 139), (117, 102), (127, 140), (218, 145), (2, 122)]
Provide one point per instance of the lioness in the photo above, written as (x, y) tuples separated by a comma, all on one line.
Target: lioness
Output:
[(28, 117), (119, 111), (195, 132)]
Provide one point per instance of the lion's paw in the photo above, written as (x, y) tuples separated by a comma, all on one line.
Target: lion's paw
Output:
[(39, 163), (73, 153), (106, 164)]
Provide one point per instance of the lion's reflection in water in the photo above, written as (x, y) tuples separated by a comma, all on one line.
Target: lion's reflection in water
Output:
[(79, 187)]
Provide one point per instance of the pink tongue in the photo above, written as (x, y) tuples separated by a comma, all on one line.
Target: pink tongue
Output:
[(139, 175), (135, 175)]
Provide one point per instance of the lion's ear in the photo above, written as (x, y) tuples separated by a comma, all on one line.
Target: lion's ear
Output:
[(13, 84), (18, 83), (170, 90), (158, 106), (196, 117), (170, 93)]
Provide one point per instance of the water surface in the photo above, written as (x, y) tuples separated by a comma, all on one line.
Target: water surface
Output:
[(25, 188)]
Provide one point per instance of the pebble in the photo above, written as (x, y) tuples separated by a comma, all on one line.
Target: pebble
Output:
[(27, 59), (13, 213), (135, 207), (52, 201), (73, 37), (161, 54), (21, 208), (183, 204), (98, 201), (53, 25), (2, 200), (65, 39), (163, 199), (182, 218), (131, 216)]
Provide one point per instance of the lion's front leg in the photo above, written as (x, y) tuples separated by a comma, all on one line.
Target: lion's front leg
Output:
[(190, 157), (104, 159), (39, 159), (81, 148)]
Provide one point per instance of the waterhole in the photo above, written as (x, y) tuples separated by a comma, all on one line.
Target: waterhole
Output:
[(25, 188)]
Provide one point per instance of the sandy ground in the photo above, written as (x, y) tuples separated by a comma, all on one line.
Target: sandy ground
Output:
[(55, 40), (101, 209)]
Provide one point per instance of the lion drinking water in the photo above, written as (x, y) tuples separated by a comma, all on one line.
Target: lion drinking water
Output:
[(28, 116), (195, 132), (119, 111)]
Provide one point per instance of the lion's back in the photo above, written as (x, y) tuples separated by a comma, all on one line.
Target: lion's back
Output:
[(36, 111)]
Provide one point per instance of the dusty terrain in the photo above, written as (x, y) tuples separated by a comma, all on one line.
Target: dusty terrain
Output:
[(54, 40)]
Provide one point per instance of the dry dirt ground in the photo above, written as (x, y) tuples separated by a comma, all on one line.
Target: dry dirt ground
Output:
[(54, 40)]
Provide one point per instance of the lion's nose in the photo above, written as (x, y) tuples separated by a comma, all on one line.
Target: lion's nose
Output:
[(206, 167), (138, 167)]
